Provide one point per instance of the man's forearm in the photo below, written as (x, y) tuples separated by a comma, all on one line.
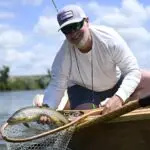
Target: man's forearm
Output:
[(129, 84)]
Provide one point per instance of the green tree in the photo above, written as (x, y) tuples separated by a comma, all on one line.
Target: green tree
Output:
[(4, 75), (49, 73)]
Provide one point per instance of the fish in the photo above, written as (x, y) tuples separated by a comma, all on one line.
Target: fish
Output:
[(33, 113)]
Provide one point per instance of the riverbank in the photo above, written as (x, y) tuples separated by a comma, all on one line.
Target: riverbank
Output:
[(22, 82), (15, 83)]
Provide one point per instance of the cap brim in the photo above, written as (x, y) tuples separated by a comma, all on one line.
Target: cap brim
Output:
[(70, 22)]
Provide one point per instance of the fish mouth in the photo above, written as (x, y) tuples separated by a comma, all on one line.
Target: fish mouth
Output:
[(11, 121)]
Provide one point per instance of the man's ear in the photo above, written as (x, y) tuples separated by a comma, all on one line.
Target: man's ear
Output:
[(87, 19)]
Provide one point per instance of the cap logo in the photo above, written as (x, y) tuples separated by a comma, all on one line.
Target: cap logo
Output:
[(64, 16)]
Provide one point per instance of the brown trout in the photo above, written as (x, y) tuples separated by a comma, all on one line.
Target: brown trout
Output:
[(33, 113)]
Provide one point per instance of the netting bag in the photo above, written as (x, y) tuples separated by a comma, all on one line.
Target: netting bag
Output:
[(55, 141), (31, 135)]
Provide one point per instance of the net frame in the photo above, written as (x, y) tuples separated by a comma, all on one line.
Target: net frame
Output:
[(58, 138), (75, 122)]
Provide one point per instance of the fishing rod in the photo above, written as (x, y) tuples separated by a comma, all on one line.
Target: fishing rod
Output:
[(55, 5)]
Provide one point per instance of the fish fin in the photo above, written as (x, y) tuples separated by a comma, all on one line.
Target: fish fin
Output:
[(26, 125)]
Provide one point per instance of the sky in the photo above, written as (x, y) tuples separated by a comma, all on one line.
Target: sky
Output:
[(29, 37)]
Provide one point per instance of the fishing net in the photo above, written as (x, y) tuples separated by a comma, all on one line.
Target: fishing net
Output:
[(36, 136), (55, 141)]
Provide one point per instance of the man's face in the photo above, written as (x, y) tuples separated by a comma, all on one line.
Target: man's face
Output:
[(77, 33)]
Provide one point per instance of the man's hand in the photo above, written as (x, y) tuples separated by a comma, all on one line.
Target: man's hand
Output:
[(38, 100), (112, 104)]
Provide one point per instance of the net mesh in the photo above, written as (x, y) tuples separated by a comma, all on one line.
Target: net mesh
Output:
[(55, 141)]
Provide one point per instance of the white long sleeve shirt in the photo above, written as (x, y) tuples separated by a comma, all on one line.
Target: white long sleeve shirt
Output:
[(111, 57)]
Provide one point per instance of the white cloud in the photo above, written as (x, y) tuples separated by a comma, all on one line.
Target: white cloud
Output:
[(5, 4), (130, 14), (13, 55), (38, 59), (139, 34), (7, 15), (46, 26), (32, 2), (131, 20), (131, 7), (4, 27), (141, 51), (18, 61), (11, 39), (46, 52), (148, 10)]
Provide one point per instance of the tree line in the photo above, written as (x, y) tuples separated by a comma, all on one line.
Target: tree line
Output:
[(8, 83)]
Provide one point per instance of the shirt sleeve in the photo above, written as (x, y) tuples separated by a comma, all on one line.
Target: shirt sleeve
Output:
[(126, 61), (59, 78)]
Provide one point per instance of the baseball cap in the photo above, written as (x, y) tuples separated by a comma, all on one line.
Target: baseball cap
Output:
[(70, 14)]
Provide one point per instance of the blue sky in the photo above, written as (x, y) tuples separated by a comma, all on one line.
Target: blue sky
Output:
[(29, 37)]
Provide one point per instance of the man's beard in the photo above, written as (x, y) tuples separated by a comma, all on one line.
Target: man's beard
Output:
[(84, 40)]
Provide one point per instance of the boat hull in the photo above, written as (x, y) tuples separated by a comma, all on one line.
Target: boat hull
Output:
[(129, 132)]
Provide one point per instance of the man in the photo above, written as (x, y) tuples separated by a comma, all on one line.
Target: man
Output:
[(93, 64)]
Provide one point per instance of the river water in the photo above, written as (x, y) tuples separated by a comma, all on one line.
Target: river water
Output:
[(12, 101)]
